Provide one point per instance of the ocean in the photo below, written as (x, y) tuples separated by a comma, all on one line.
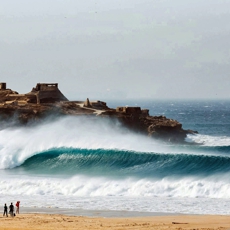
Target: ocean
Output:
[(97, 164)]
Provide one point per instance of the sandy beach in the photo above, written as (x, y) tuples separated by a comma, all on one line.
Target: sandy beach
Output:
[(115, 222)]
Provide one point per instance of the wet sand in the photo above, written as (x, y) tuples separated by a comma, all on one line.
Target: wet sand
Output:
[(112, 220)]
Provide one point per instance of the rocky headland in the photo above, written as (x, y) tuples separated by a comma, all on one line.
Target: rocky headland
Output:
[(46, 99)]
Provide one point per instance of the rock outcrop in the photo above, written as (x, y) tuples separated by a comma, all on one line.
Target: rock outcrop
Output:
[(46, 99)]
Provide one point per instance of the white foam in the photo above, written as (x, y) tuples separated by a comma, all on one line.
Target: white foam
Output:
[(208, 140), (18, 144), (210, 187), (190, 195)]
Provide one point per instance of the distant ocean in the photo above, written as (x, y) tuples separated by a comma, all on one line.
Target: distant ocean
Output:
[(77, 162)]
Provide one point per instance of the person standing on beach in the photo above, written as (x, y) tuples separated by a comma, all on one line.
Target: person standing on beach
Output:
[(5, 210), (17, 207), (11, 209)]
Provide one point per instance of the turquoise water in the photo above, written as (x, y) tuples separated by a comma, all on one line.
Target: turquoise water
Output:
[(75, 162)]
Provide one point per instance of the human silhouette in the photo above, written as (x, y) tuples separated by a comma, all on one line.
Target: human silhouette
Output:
[(17, 207), (5, 210), (11, 210)]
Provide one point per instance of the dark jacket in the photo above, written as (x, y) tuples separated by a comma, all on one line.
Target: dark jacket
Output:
[(11, 207)]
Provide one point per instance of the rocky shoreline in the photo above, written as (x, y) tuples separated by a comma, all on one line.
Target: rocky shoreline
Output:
[(46, 99)]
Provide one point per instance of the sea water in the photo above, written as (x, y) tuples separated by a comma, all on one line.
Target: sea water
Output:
[(97, 164)]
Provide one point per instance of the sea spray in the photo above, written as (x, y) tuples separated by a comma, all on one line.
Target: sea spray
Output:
[(75, 162), (208, 140), (20, 143)]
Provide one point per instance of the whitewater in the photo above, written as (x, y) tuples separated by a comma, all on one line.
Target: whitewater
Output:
[(97, 164)]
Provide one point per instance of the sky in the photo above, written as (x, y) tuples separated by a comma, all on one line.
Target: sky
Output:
[(117, 49)]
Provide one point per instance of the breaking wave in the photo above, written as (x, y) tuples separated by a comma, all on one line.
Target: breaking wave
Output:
[(120, 163), (82, 157)]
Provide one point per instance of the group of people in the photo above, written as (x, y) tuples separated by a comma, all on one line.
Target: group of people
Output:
[(11, 209)]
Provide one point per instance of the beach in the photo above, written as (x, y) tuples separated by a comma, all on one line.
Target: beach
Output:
[(60, 221)]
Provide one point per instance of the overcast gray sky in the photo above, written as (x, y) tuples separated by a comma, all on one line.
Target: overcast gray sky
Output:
[(117, 49)]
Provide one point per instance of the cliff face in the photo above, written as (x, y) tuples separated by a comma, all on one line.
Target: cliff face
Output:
[(47, 99), (158, 127)]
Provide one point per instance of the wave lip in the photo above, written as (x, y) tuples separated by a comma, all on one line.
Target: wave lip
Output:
[(19, 143), (72, 146), (123, 163)]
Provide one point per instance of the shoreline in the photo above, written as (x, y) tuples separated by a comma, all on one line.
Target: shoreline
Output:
[(93, 213), (40, 221)]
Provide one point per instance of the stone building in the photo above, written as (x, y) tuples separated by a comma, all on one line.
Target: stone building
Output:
[(2, 85), (47, 93), (42, 93), (129, 110), (133, 110)]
